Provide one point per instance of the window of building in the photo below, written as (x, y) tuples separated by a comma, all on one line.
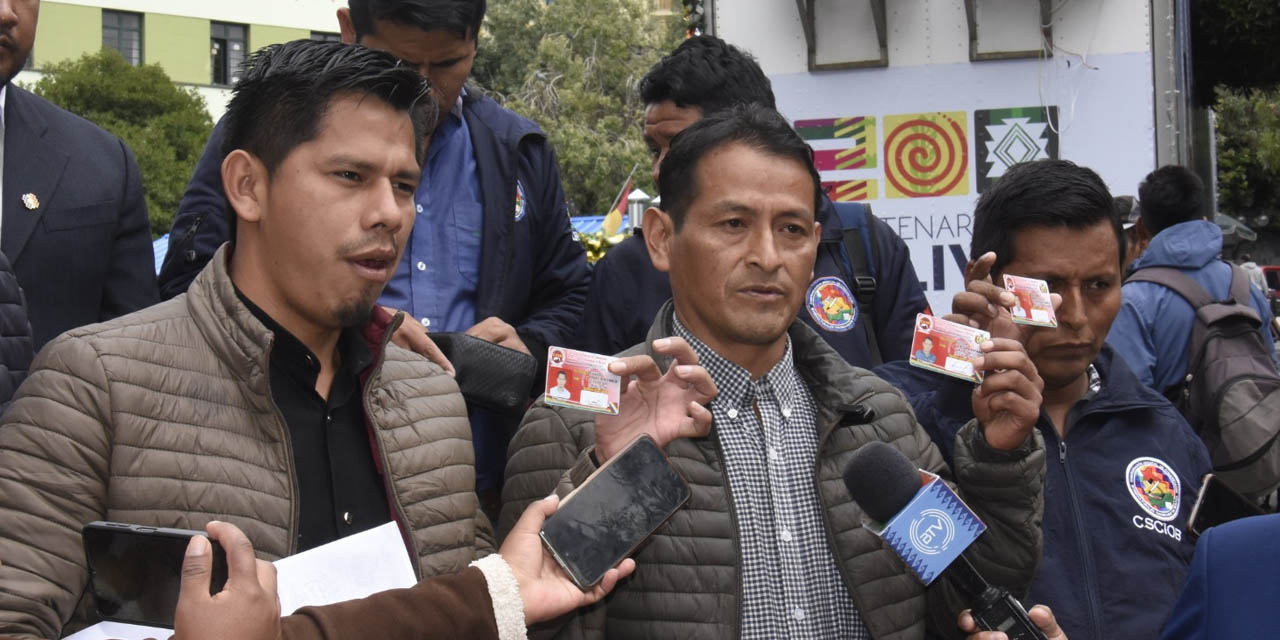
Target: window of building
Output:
[(227, 51), (122, 31), (325, 36)]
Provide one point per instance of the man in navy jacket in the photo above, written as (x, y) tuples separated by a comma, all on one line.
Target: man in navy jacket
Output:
[(702, 76), (74, 221), (492, 251), (1128, 467)]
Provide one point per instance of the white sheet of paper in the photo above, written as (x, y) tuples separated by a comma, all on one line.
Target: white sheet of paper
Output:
[(345, 569), (120, 631), (352, 567)]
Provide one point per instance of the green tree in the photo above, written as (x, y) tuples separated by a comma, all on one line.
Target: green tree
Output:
[(574, 67), (1248, 139), (165, 126)]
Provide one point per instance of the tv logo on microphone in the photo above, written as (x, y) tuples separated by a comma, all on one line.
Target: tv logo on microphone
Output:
[(931, 531)]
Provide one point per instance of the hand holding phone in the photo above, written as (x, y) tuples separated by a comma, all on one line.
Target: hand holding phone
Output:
[(247, 608), (1218, 504), (620, 505), (135, 571)]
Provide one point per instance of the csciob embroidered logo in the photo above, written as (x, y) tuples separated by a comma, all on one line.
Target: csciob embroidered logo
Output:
[(1154, 486), (831, 304), (521, 205)]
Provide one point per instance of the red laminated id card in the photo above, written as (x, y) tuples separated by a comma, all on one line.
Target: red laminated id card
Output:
[(947, 347), (581, 380), (1034, 307)]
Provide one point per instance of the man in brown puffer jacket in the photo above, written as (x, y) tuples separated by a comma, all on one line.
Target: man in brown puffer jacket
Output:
[(770, 545), (268, 395)]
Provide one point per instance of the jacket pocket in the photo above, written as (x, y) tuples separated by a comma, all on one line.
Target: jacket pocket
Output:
[(86, 215)]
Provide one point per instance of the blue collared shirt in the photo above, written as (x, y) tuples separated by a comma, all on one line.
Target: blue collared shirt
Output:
[(437, 276)]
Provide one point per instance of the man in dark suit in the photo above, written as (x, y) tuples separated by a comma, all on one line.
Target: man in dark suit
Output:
[(74, 219)]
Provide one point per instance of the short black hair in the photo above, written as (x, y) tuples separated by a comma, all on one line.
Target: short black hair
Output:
[(1171, 195), (1043, 193), (754, 125), (462, 18), (708, 73), (285, 91)]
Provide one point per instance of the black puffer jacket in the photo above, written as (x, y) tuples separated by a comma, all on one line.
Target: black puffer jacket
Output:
[(687, 582), (15, 334)]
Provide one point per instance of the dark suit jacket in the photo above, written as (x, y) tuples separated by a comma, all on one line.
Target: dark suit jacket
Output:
[(84, 254)]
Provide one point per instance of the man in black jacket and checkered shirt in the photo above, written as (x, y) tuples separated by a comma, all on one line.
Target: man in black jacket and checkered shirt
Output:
[(770, 544)]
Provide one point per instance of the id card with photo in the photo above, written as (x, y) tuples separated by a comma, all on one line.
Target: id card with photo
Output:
[(581, 380), (1034, 307), (947, 347)]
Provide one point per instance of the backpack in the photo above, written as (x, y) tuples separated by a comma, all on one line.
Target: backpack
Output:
[(1231, 393), (859, 255)]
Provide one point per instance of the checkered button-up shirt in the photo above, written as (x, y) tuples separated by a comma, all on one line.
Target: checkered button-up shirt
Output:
[(791, 584)]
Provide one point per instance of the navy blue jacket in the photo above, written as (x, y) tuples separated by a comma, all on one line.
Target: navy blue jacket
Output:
[(627, 291), (15, 334), (1232, 590), (75, 222), (1113, 564), (533, 272)]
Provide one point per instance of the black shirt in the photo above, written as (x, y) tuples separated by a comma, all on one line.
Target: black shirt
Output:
[(340, 489)]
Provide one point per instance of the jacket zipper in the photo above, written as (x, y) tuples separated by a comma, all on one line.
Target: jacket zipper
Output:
[(1090, 580), (283, 425), (733, 519), (401, 518), (826, 524)]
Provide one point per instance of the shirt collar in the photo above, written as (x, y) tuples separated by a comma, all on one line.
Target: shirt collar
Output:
[(733, 381), (354, 352)]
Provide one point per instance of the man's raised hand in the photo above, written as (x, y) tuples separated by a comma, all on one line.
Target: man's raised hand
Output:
[(665, 406)]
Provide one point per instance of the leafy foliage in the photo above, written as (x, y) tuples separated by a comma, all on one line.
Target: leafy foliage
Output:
[(165, 126), (1248, 133), (1233, 43), (574, 67)]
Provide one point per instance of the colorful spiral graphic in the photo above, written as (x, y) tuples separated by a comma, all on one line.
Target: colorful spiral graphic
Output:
[(927, 155)]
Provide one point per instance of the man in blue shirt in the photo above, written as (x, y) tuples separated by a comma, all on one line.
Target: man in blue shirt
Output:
[(492, 251), (1153, 328)]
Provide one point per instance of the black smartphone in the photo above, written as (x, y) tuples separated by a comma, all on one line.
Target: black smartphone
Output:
[(602, 521), (1217, 504), (135, 571)]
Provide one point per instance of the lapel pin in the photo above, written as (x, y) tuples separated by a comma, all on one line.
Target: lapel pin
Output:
[(30, 201)]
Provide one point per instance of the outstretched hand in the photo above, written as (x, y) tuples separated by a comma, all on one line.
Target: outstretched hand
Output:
[(247, 607), (663, 406), (1007, 403), (547, 591)]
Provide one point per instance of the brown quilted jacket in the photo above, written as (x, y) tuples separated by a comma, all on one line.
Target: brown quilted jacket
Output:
[(164, 417), (686, 583)]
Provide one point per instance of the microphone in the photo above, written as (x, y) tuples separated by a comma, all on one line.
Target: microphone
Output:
[(919, 515)]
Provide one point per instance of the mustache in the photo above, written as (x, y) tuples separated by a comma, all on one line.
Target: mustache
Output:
[(369, 243)]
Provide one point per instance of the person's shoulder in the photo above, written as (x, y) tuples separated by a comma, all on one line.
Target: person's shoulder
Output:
[(63, 126), (506, 125)]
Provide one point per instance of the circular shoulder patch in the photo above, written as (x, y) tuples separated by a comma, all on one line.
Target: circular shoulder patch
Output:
[(521, 204), (831, 304), (1155, 487)]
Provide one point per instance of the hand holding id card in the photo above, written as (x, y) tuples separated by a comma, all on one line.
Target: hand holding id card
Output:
[(947, 347), (1034, 306), (581, 380)]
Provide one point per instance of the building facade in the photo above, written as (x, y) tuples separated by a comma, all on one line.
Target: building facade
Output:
[(200, 44)]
